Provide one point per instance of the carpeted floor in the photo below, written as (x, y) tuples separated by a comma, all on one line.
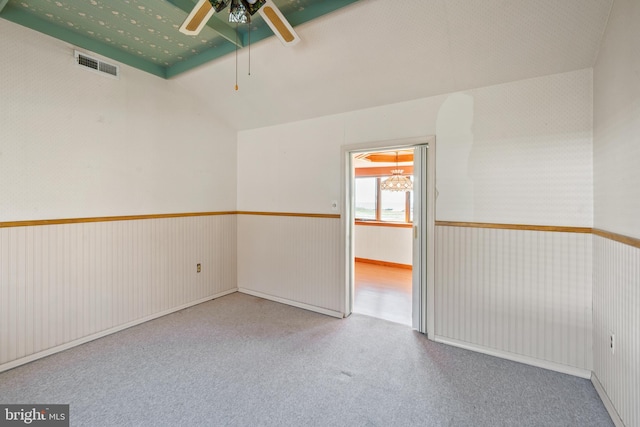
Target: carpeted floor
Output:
[(245, 361)]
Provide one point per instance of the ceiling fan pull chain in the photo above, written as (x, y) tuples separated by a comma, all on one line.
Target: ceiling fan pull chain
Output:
[(236, 56)]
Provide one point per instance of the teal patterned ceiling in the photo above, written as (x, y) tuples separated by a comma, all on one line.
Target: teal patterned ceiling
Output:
[(144, 33)]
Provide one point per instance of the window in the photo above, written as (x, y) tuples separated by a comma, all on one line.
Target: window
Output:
[(366, 194), (373, 204)]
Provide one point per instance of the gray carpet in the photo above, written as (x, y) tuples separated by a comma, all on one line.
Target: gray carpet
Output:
[(245, 361)]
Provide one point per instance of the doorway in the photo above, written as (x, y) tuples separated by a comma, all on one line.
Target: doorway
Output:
[(402, 279), (383, 244)]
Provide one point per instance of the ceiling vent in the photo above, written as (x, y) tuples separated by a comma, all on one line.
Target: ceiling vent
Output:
[(96, 64)]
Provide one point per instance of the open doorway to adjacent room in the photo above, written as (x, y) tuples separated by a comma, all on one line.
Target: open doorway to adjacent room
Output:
[(389, 235), (382, 234)]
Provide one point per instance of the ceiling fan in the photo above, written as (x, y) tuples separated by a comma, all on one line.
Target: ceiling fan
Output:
[(240, 11)]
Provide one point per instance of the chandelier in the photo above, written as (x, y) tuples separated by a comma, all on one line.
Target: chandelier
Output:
[(397, 181)]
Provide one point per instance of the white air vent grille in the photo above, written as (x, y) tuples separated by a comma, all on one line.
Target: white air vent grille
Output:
[(108, 68), (96, 64)]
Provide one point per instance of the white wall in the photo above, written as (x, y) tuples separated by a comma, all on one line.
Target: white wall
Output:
[(617, 209), (617, 123), (78, 144), (514, 153), (290, 168), (518, 153), (75, 144), (390, 244), (616, 310), (521, 293), (291, 259), (61, 285)]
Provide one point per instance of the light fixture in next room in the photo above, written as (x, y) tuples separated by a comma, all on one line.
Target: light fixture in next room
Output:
[(397, 181)]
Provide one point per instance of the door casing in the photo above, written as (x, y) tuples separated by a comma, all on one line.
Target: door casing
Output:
[(424, 321)]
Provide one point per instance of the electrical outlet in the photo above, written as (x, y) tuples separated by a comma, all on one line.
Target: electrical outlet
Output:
[(612, 342), (198, 268)]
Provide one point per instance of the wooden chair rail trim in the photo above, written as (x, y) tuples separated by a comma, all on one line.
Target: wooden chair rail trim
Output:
[(383, 263), (562, 229), (302, 215), (384, 224), (38, 222), (631, 241), (627, 240)]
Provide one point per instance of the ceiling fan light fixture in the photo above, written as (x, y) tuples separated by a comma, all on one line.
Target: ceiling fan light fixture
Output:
[(253, 6), (241, 11), (238, 13), (218, 5)]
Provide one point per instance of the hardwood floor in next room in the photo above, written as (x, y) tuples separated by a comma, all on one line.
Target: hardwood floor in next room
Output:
[(383, 292)]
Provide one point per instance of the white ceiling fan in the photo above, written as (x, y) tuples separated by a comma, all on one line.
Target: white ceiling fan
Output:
[(240, 11)]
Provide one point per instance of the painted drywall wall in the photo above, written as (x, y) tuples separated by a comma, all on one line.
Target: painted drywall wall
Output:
[(519, 153), (617, 124), (514, 153), (616, 302), (75, 143), (389, 244)]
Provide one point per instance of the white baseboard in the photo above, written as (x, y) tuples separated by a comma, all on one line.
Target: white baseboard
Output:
[(83, 340), (606, 401), (320, 310), (565, 369)]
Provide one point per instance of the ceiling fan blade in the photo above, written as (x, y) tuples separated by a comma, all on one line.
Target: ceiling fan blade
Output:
[(198, 18), (278, 23)]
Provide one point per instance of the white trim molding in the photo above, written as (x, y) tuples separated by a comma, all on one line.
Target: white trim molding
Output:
[(101, 334), (545, 364), (615, 417), (297, 304)]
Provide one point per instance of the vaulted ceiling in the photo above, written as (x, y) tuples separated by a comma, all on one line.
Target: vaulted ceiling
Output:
[(381, 52), (363, 54)]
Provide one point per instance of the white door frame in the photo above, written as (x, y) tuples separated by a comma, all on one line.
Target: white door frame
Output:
[(347, 224)]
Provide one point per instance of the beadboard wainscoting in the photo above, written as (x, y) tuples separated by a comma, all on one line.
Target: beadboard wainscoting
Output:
[(616, 310), (65, 284), (293, 259), (519, 294)]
